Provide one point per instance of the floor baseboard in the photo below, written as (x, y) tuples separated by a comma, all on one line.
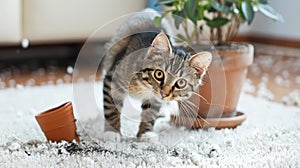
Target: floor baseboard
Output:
[(293, 43)]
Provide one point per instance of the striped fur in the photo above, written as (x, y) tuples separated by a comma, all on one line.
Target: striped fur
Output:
[(133, 63)]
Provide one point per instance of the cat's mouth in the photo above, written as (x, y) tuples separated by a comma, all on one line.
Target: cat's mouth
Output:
[(161, 96), (168, 98)]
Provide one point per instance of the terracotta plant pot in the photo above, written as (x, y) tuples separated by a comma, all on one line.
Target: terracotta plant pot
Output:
[(218, 123), (235, 59), (221, 88), (58, 123)]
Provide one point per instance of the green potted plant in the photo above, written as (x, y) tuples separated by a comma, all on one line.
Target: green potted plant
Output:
[(222, 20)]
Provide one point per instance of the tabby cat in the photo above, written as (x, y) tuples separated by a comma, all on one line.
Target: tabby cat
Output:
[(146, 66)]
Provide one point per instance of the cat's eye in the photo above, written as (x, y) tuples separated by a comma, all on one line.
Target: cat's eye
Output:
[(181, 83), (159, 74)]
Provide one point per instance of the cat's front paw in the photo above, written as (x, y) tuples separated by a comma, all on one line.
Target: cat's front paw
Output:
[(149, 137), (111, 136)]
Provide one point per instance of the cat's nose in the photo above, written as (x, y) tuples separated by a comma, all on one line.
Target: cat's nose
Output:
[(165, 91)]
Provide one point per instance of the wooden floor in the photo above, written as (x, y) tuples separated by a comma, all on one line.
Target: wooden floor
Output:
[(277, 68)]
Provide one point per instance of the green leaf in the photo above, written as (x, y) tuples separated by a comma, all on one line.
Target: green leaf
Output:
[(219, 7), (241, 14), (157, 21), (235, 7), (216, 22), (200, 12), (190, 9), (248, 11), (181, 37), (165, 2), (206, 6), (270, 12), (263, 1), (178, 18)]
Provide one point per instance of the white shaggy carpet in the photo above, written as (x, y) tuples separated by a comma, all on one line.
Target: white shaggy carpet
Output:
[(270, 137)]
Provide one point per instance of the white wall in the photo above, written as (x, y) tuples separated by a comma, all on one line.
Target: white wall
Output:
[(10, 21), (289, 29), (59, 20)]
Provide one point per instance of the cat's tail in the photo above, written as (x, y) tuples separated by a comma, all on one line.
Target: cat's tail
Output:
[(139, 22)]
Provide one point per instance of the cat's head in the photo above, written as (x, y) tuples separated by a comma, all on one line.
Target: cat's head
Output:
[(172, 75)]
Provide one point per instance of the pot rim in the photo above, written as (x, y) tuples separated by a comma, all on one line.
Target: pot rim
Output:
[(61, 115), (53, 111), (245, 59), (218, 123), (235, 58)]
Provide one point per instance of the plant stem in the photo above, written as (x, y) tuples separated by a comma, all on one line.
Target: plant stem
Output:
[(219, 32), (197, 34), (230, 29), (236, 27), (219, 29), (212, 35), (185, 28), (222, 2)]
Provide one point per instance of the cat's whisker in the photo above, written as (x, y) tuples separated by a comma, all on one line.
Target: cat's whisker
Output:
[(180, 116), (148, 93), (197, 94), (190, 103), (198, 122), (117, 89), (207, 101), (197, 116), (188, 114), (191, 109)]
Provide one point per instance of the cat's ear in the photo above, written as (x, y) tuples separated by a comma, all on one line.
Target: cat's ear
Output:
[(161, 43), (200, 62)]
